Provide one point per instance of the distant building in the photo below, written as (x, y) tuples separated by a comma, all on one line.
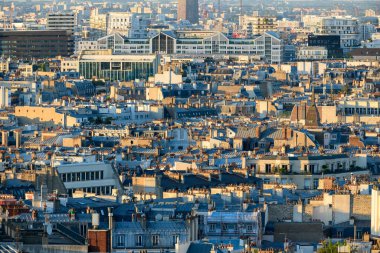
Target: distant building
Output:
[(127, 24), (61, 21), (118, 67), (330, 42), (188, 10), (312, 53), (36, 44), (346, 27), (92, 177), (254, 25)]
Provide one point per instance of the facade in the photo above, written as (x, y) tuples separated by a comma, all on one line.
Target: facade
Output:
[(152, 234), (254, 25), (312, 53), (118, 67), (61, 21), (330, 42), (267, 46), (302, 171), (188, 10), (127, 24), (89, 177), (346, 27), (227, 224), (36, 44)]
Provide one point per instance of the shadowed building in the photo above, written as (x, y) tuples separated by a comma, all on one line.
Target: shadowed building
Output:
[(36, 44), (188, 10)]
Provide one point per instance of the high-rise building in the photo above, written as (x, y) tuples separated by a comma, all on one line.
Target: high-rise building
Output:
[(375, 212), (61, 21), (188, 10)]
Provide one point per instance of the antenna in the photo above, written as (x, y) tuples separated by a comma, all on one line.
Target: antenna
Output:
[(241, 7)]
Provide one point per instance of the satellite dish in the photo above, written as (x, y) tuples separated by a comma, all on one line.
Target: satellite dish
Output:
[(49, 229), (158, 217)]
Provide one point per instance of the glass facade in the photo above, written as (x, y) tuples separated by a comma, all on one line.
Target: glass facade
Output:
[(117, 70)]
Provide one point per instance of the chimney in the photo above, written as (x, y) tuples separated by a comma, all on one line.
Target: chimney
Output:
[(257, 132), (143, 221), (4, 139), (17, 135), (95, 220), (110, 218)]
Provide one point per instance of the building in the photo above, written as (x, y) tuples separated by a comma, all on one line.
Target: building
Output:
[(36, 44), (254, 25), (346, 27), (188, 10), (118, 67), (88, 177), (220, 225), (375, 212), (330, 42), (267, 46), (61, 21), (127, 24), (312, 53)]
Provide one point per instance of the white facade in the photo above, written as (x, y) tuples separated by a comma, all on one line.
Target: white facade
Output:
[(312, 53), (375, 212), (346, 27), (267, 46), (128, 24), (92, 177)]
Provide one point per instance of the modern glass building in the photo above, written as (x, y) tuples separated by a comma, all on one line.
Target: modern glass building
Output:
[(118, 67)]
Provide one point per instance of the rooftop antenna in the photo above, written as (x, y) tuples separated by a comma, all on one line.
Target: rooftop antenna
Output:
[(4, 19), (241, 7)]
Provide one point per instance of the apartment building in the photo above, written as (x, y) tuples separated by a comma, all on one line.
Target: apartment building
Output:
[(346, 27), (254, 25), (128, 24), (312, 53)]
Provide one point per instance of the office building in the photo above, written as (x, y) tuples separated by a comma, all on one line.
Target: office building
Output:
[(118, 67), (330, 42), (267, 46), (188, 10), (61, 21), (36, 44)]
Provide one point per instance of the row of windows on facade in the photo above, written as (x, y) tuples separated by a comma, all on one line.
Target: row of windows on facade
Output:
[(311, 168), (139, 242), (234, 227), (106, 190), (362, 111), (82, 176)]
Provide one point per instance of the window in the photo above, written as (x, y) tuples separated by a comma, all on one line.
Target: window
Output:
[(155, 240), (250, 228), (120, 240), (138, 240), (175, 239), (212, 227)]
